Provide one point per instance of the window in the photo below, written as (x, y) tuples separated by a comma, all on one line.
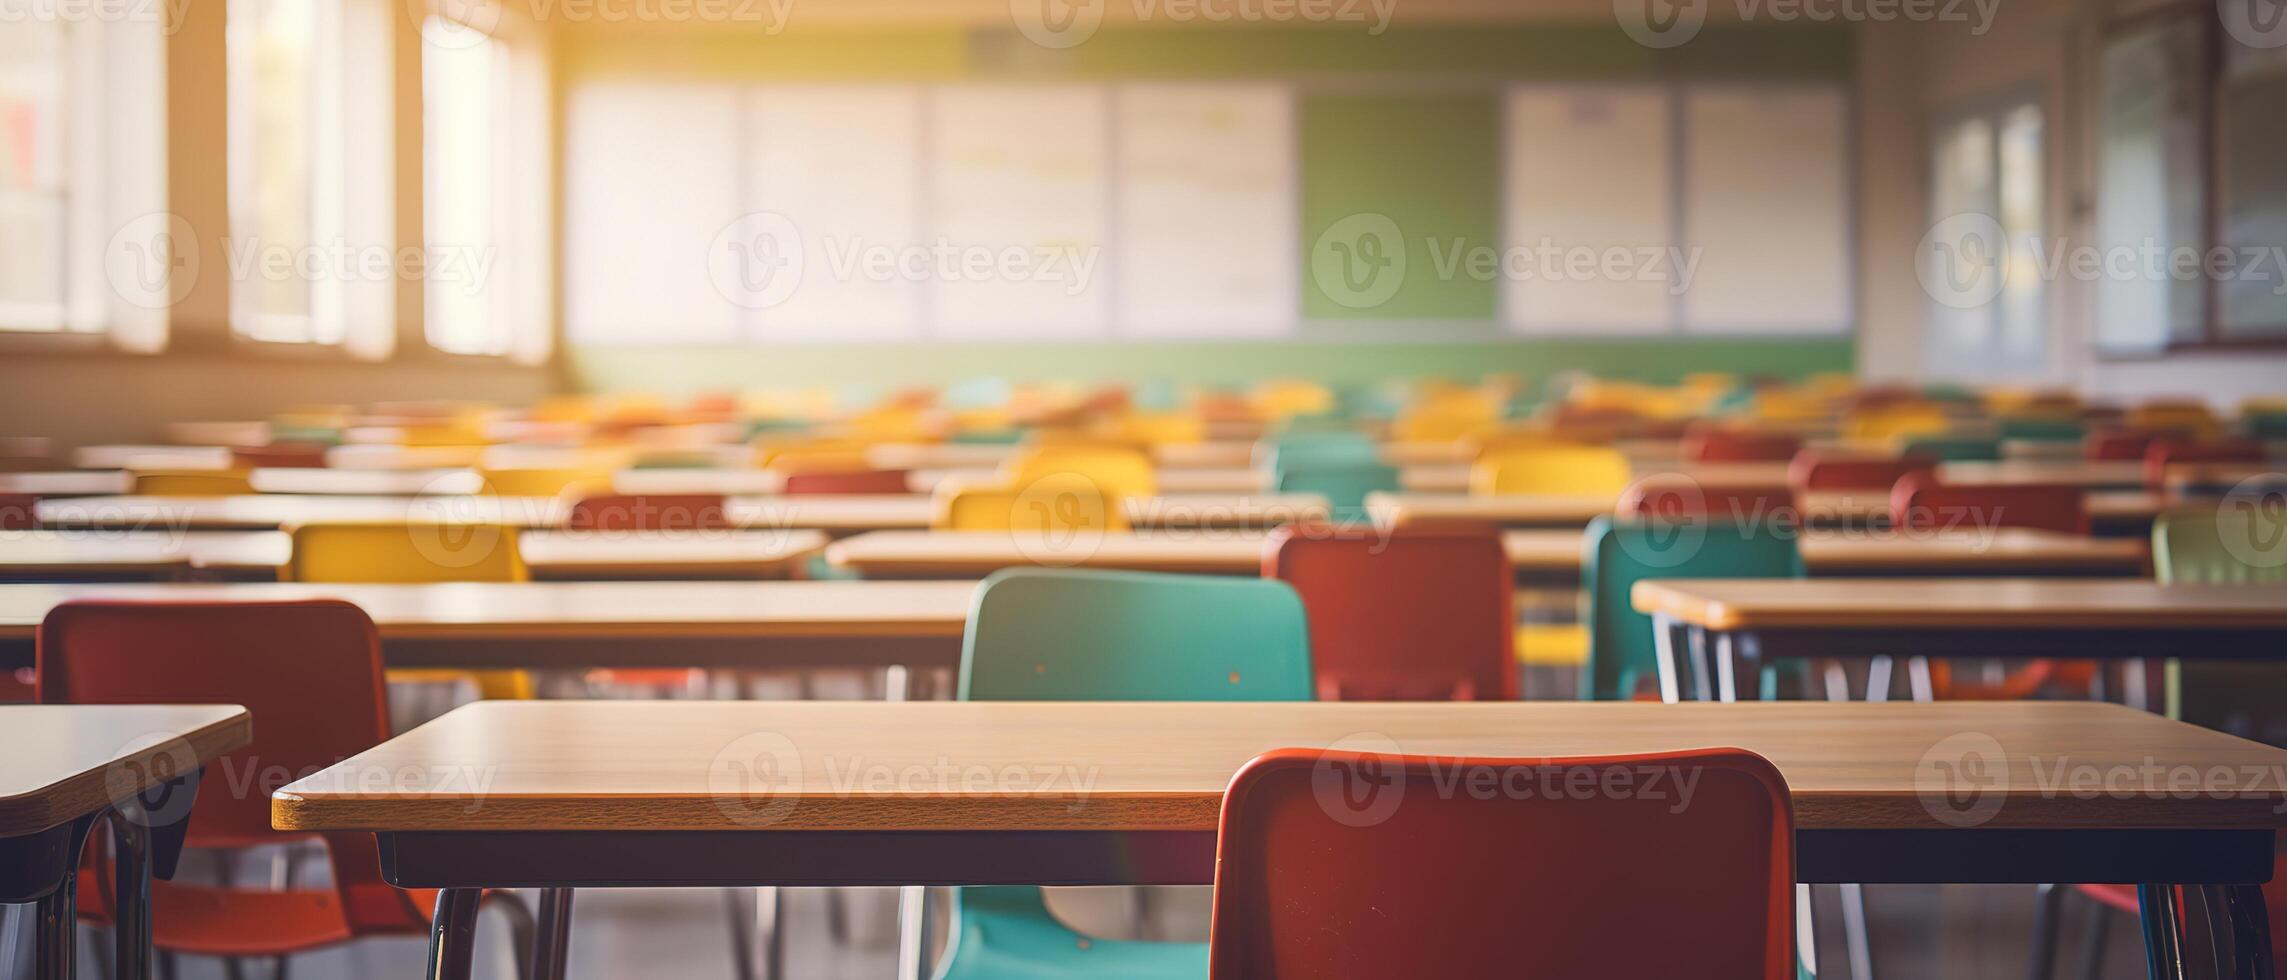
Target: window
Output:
[(310, 250), (2251, 184), (867, 213), (485, 252), (2151, 180), (85, 245), (1989, 312)]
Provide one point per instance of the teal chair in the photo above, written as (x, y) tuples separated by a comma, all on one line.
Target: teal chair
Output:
[(1955, 448), (1345, 446), (2265, 425), (2043, 429), (1621, 648), (1343, 484), (1039, 634), (2225, 543)]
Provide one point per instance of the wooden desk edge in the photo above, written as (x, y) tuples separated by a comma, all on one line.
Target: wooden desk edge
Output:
[(91, 791)]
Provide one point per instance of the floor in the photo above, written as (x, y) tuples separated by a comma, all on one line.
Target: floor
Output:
[(1920, 932)]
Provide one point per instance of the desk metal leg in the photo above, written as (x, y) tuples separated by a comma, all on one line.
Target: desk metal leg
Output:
[(452, 934), (2163, 931), (2250, 924), (131, 888), (1702, 668), (553, 937), (2238, 929), (1671, 669)]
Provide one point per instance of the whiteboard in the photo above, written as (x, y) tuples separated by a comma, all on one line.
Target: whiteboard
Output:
[(839, 163), (1589, 176), (650, 178), (1767, 208), (1206, 218), (1020, 186)]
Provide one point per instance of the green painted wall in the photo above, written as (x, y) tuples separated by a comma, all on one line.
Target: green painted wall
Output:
[(1404, 124)]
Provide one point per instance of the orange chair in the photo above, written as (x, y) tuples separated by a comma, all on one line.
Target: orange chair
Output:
[(649, 512), (1919, 501), (1741, 447), (310, 671), (2116, 445), (1422, 613), (2164, 453), (1345, 864), (856, 481), (19, 511), (280, 455), (1819, 471), (1672, 496)]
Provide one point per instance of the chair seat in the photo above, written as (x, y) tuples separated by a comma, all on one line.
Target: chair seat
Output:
[(1012, 948), (495, 685), (1552, 644), (2122, 897), (208, 921)]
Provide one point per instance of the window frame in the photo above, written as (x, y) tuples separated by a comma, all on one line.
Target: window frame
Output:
[(1994, 108)]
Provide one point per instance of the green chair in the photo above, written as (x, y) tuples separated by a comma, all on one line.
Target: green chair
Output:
[(2265, 425), (1346, 446), (2038, 429), (1955, 448), (1343, 484), (2225, 543), (1621, 647), (1038, 634)]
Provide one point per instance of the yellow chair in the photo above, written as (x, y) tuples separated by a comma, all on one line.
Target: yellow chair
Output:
[(1283, 399), (192, 483), (2189, 418), (1055, 502), (1156, 428), (1552, 644), (519, 482), (1557, 470), (413, 553), (1783, 405), (1890, 425), (1119, 471), (836, 456)]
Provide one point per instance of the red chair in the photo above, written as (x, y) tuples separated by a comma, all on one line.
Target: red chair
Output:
[(1420, 613), (858, 481), (1418, 879), (2117, 445), (297, 455), (1920, 502), (19, 511), (310, 672), (1741, 447), (2164, 453), (1818, 471), (650, 512), (1671, 496)]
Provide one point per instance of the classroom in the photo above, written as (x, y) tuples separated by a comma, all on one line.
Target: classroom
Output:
[(1142, 489)]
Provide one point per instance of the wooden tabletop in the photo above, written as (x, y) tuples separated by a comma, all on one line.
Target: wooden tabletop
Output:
[(750, 553), (1999, 551), (582, 610), (367, 482), (274, 510), (1986, 604), (67, 761), (972, 554), (68, 483), (2107, 508), (2088, 474), (1145, 766), (80, 554), (121, 457)]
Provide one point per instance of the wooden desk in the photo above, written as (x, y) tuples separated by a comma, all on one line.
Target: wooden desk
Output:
[(2086, 474), (552, 554), (1554, 555), (329, 481), (67, 768), (149, 457), (77, 556), (68, 483), (551, 625), (271, 511), (2111, 511), (1746, 620), (715, 794), (974, 554)]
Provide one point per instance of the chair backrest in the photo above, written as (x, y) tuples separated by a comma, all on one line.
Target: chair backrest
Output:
[(536, 482), (1819, 471), (309, 671), (649, 512), (816, 458), (1891, 422), (2164, 453), (19, 511), (1120, 471), (1057, 502), (1741, 447), (854, 481), (2238, 539), (1344, 485), (1619, 554), (2117, 445), (410, 552), (1919, 502), (2179, 417), (1421, 613), (1053, 634), (1315, 448), (1954, 448), (297, 455), (2042, 428), (192, 483), (1568, 470), (1421, 881)]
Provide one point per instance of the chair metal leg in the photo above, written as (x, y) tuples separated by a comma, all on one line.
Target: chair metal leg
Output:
[(2093, 939), (912, 933), (131, 895), (1854, 937), (2163, 932), (1726, 669), (1919, 684), (770, 917), (1671, 669), (2250, 924), (1806, 931), (2048, 901), (57, 918), (742, 934), (452, 934), (1878, 678), (1702, 669), (553, 950), (11, 920)]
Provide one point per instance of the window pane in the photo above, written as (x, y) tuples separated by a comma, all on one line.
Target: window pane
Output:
[(2149, 180), (272, 53), (1588, 172), (2250, 149), (32, 174), (1206, 211), (2023, 305), (1020, 184), (1962, 182), (1766, 205), (459, 96)]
